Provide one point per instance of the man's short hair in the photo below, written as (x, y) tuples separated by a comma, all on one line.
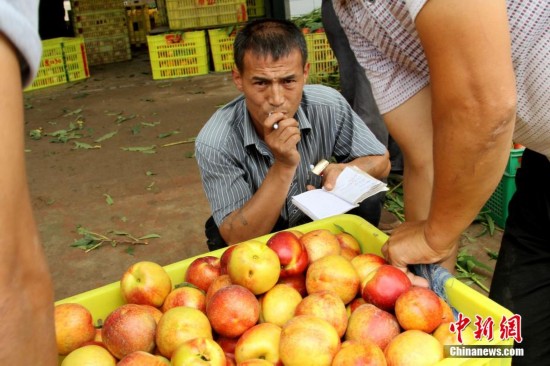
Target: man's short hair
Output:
[(269, 37)]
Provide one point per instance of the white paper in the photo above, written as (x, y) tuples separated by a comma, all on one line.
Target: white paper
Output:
[(352, 187), (318, 204)]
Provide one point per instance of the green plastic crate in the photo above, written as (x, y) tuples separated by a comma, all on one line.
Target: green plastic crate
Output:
[(498, 203)]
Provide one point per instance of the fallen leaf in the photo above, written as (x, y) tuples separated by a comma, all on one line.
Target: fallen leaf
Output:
[(106, 136), (108, 199), (142, 149)]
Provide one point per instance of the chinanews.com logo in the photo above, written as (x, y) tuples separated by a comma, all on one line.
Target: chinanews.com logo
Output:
[(509, 328)]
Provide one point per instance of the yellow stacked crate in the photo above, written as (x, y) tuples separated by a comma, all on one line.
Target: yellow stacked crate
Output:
[(187, 14), (178, 55), (139, 23), (63, 60)]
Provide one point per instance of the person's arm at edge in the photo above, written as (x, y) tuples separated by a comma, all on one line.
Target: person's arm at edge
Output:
[(473, 108), (467, 44), (258, 216), (26, 305)]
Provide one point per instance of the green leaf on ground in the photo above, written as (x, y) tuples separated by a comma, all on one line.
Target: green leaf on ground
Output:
[(71, 113), (150, 124), (121, 119), (106, 136), (142, 149), (149, 236), (83, 145), (492, 254), (36, 134), (149, 173), (167, 134), (108, 199)]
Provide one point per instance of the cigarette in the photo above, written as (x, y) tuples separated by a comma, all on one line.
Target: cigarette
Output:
[(275, 126)]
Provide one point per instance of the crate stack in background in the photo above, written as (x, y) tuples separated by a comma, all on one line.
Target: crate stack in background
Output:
[(185, 50), (323, 66), (63, 60), (255, 8), (221, 48), (160, 17), (192, 14), (103, 25), (139, 22)]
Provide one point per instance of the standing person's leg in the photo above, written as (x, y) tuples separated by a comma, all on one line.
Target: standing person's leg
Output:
[(521, 281), (356, 88), (354, 85)]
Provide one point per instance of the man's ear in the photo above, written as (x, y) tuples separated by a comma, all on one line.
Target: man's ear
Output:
[(306, 71), (237, 79)]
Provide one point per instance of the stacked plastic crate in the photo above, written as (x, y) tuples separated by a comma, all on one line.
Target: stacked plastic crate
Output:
[(255, 8), (139, 22), (63, 60), (184, 51), (323, 64), (103, 24), (187, 14)]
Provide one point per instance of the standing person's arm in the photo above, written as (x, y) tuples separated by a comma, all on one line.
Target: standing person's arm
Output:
[(26, 294), (467, 45)]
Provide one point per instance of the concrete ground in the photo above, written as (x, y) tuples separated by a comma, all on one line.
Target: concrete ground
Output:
[(85, 178)]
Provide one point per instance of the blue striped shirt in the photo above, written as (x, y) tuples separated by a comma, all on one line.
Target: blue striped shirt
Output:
[(234, 161)]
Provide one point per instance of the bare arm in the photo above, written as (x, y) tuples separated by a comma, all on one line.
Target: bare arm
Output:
[(258, 216), (467, 44), (26, 301)]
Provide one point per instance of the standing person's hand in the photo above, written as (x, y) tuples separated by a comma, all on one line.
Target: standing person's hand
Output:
[(408, 244)]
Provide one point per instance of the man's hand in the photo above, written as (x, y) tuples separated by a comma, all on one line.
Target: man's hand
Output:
[(408, 245), (282, 140)]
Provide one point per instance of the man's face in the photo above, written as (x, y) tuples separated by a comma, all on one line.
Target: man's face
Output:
[(271, 86)]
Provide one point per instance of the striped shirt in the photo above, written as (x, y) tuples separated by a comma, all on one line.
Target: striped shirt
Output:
[(383, 36), (234, 161)]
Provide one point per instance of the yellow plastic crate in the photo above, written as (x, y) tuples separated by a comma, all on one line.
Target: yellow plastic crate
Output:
[(255, 8), (187, 14), (63, 60), (103, 300), (221, 45), (139, 23), (178, 55), (76, 62), (322, 61), (52, 67)]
